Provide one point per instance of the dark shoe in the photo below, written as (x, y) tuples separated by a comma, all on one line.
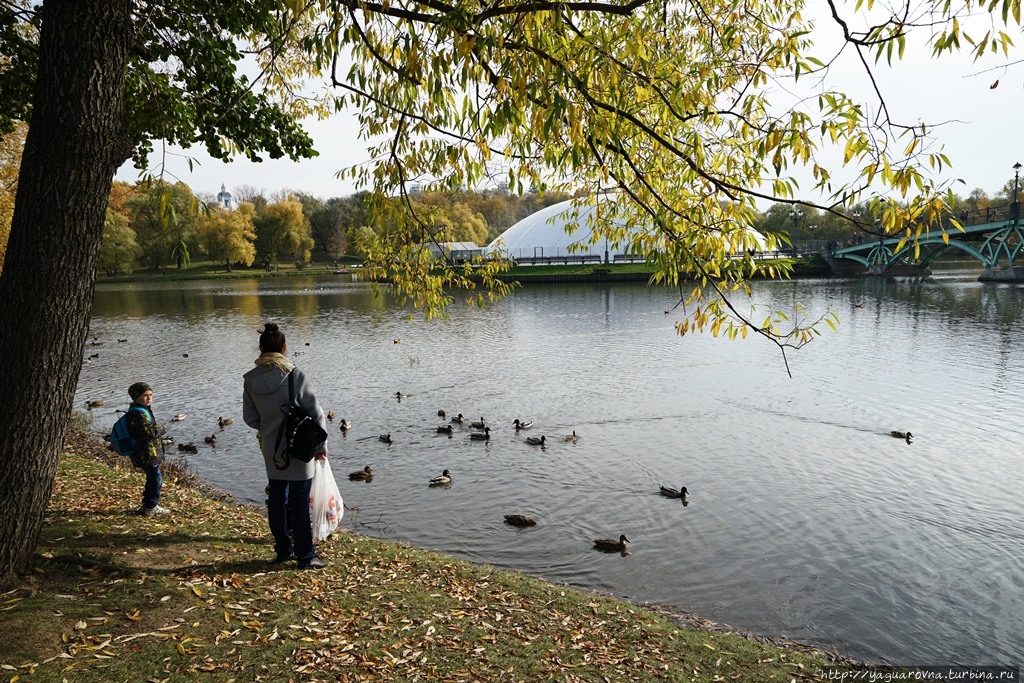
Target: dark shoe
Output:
[(315, 563), (282, 560)]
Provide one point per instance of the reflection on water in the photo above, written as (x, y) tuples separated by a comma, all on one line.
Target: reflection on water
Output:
[(805, 518)]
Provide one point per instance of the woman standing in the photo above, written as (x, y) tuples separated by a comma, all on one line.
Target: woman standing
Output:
[(265, 392)]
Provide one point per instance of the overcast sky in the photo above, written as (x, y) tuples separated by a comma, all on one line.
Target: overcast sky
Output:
[(981, 129)]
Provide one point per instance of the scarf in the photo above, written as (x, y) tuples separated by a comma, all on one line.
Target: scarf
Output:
[(272, 359)]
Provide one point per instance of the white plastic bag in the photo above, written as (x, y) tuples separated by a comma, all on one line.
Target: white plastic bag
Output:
[(325, 505)]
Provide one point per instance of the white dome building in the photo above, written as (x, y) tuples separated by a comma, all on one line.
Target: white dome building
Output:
[(542, 235), (542, 238)]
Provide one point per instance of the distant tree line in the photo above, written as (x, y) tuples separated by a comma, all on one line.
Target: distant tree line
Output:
[(802, 224), (158, 225)]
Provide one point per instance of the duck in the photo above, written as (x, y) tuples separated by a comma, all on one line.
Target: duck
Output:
[(365, 474), (572, 438), (212, 439), (179, 417), (331, 415), (445, 429), (345, 425), (458, 419), (670, 492), (93, 404), (618, 546), (536, 440), (188, 447), (481, 436), (478, 425), (901, 435), (442, 414), (445, 478), (520, 520), (223, 421), (399, 395), (121, 341), (519, 424), (386, 438)]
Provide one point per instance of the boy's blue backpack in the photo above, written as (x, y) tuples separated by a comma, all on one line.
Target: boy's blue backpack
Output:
[(120, 440)]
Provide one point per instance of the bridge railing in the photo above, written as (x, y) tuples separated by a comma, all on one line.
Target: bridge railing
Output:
[(990, 214)]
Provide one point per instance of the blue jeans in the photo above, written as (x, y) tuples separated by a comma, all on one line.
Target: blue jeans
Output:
[(280, 513), (154, 482)]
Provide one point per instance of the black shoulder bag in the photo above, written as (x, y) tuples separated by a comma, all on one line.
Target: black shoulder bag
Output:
[(302, 434)]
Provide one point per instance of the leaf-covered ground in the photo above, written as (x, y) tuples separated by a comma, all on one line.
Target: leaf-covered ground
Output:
[(190, 596)]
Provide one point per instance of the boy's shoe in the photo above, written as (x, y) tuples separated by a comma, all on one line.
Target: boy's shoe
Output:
[(315, 563), (282, 560), (156, 510)]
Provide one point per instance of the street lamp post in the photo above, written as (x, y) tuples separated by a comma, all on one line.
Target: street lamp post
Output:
[(1015, 207), (796, 215)]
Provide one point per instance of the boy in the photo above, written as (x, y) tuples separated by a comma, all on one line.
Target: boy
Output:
[(148, 448)]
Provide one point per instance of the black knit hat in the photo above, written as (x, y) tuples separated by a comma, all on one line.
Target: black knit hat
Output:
[(138, 389)]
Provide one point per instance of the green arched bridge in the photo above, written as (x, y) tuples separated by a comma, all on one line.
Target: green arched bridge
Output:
[(993, 236)]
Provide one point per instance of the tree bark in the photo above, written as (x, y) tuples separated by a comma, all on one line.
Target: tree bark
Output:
[(75, 144)]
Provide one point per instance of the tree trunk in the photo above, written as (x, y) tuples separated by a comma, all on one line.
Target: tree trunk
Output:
[(75, 144)]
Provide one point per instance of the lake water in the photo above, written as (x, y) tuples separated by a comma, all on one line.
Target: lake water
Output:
[(805, 518)]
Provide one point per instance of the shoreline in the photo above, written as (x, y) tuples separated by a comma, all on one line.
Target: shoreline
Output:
[(177, 470), (803, 266)]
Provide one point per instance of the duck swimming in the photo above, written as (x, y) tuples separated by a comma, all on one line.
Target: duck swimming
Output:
[(478, 425), (365, 474), (445, 429), (188, 448), (386, 438), (178, 418), (212, 439), (445, 478), (441, 413), (458, 419), (523, 425), (345, 425), (223, 421), (670, 492), (572, 438), (901, 435), (93, 404), (481, 436), (536, 440), (609, 545), (520, 520), (331, 415)]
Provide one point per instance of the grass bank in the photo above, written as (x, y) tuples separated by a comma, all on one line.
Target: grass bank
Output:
[(805, 266), (190, 596)]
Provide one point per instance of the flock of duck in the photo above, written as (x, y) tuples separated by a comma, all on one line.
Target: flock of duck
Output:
[(481, 431)]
